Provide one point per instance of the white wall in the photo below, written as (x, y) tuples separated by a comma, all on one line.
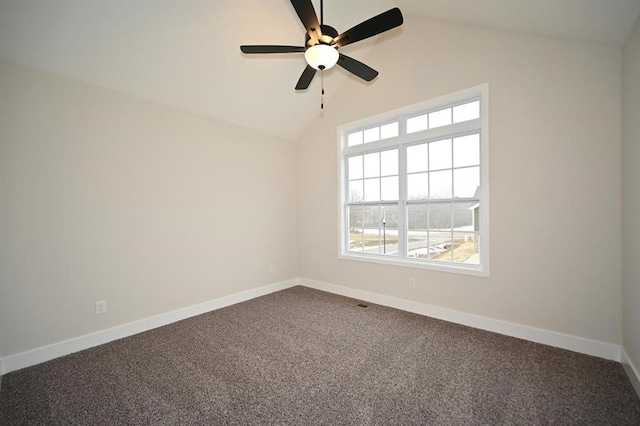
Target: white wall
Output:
[(555, 154), (103, 196), (631, 195)]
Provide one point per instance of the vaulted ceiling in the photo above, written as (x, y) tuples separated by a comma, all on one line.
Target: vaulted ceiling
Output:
[(185, 53)]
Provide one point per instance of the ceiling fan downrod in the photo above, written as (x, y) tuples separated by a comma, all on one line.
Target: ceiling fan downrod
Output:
[(322, 75)]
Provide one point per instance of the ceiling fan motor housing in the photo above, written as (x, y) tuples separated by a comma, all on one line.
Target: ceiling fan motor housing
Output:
[(328, 34)]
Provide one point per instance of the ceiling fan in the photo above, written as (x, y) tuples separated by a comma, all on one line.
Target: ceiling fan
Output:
[(322, 42)]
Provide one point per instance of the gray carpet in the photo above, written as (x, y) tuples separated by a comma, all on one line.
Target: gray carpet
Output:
[(302, 356)]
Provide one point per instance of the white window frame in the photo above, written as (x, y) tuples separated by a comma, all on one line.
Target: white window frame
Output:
[(480, 93)]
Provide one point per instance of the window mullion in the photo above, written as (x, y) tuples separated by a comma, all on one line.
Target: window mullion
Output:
[(402, 203), (453, 216), (347, 228)]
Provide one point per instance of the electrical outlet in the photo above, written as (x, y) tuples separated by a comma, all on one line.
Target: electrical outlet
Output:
[(101, 307), (412, 282), (272, 269)]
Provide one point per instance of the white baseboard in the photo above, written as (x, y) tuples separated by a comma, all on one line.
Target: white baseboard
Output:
[(573, 343), (631, 370), (56, 350), (564, 341)]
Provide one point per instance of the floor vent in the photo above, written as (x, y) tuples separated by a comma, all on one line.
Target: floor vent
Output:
[(362, 305)]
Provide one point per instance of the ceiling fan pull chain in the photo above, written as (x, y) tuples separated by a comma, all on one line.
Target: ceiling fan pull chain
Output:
[(322, 94)]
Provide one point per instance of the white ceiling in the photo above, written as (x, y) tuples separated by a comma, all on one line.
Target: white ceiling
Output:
[(185, 53)]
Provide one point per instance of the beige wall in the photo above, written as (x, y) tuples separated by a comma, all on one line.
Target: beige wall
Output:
[(103, 196), (555, 154), (631, 194)]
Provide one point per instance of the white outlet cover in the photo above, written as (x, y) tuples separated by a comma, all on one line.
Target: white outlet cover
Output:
[(101, 307)]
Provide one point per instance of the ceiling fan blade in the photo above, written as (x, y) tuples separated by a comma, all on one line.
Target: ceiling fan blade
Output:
[(357, 68), (305, 78), (271, 49), (307, 14), (378, 24)]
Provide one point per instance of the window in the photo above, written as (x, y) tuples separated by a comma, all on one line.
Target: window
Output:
[(414, 185)]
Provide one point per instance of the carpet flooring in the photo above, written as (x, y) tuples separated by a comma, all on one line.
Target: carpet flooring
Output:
[(302, 356)]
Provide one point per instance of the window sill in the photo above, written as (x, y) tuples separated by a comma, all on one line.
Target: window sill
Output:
[(475, 270)]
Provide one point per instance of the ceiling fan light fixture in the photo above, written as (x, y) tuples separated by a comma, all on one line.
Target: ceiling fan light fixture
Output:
[(321, 56)]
